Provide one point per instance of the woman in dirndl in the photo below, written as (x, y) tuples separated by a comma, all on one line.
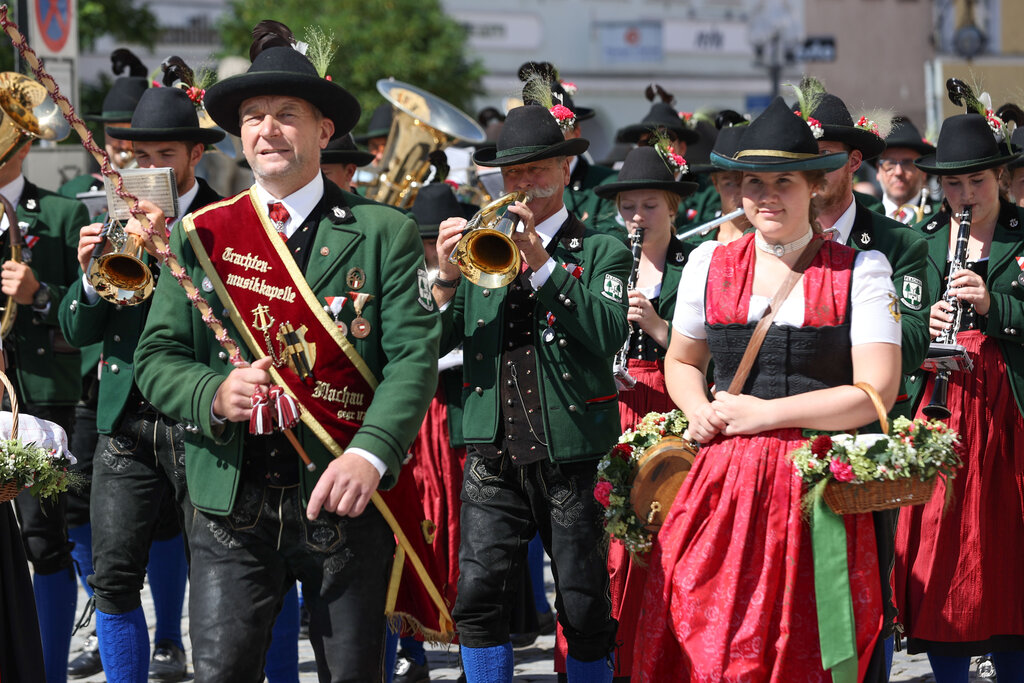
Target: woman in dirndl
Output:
[(647, 195), (731, 594), (959, 565)]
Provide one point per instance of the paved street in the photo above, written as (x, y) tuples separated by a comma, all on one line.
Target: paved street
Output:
[(533, 664)]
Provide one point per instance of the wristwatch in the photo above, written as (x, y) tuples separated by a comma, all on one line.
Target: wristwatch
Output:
[(42, 296), (447, 284)]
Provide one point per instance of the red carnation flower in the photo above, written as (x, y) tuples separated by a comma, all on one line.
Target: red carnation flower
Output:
[(842, 471), (602, 493), (623, 451), (196, 94), (821, 445)]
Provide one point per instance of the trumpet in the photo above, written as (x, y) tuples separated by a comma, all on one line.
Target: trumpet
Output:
[(486, 254), (913, 213), (121, 276)]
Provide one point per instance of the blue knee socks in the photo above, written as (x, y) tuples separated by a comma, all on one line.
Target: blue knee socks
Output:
[(535, 559), (82, 553), (168, 572), (488, 664), (56, 595), (414, 649), (1009, 666), (889, 645), (282, 665), (390, 654), (124, 646), (949, 669), (596, 671)]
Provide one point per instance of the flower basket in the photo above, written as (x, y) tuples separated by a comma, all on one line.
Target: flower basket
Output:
[(639, 478), (851, 499), (41, 465)]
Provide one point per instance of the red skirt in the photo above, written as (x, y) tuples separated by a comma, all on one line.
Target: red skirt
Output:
[(958, 572), (730, 592), (627, 578)]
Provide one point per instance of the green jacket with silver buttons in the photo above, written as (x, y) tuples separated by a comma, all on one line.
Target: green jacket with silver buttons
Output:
[(578, 394)]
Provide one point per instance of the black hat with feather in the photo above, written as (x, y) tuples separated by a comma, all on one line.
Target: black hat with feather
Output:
[(125, 92), (530, 133), (171, 113), (279, 69), (561, 91), (662, 116)]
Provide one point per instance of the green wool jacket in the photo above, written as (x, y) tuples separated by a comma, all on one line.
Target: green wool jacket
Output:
[(578, 394), (906, 252), (699, 208), (596, 213), (1005, 282), (47, 367), (179, 365), (117, 329)]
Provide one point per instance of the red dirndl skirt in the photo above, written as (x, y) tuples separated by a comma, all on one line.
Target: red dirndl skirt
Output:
[(627, 578), (958, 570), (730, 592)]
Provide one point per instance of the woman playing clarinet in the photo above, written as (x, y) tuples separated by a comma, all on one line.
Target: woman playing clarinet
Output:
[(959, 563)]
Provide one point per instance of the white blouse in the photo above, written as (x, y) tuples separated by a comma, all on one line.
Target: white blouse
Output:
[(872, 295)]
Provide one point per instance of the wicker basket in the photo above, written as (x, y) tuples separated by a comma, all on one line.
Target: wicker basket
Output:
[(9, 490), (871, 496)]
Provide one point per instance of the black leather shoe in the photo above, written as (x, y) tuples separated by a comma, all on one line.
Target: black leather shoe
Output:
[(88, 662), (168, 662), (408, 671)]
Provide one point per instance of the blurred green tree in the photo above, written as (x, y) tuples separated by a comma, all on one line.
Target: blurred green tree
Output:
[(411, 40)]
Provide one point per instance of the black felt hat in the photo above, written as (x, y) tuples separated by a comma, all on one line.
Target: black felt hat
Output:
[(836, 121), (778, 140), (343, 150), (726, 145), (905, 134), (435, 203), (380, 124), (662, 116), (644, 169), (287, 72), (530, 133), (166, 114), (121, 100), (1017, 143), (966, 145)]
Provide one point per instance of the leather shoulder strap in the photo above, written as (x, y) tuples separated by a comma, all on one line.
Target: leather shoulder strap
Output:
[(754, 346)]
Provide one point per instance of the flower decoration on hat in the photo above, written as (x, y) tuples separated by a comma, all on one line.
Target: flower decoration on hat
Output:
[(570, 88), (178, 74), (963, 95), (877, 121), (565, 116), (808, 96), (537, 78), (674, 160), (320, 49)]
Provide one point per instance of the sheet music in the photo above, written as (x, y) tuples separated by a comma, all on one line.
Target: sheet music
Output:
[(155, 184)]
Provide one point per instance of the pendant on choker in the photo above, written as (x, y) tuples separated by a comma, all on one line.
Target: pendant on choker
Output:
[(781, 250)]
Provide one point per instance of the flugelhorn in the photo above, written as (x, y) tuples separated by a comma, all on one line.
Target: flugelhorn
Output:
[(913, 213), (486, 254), (28, 114), (422, 123), (121, 276)]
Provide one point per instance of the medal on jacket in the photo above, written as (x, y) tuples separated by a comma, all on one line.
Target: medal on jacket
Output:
[(360, 325), (548, 335), (334, 306)]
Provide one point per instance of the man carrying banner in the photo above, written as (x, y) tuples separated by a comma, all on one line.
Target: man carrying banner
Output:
[(361, 372)]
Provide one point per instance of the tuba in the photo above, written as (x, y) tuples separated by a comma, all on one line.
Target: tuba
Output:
[(486, 254), (422, 123), (27, 114), (120, 276)]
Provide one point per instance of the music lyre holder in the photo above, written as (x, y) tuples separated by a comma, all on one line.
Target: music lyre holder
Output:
[(948, 358)]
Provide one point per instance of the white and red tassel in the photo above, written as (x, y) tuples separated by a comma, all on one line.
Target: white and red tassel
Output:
[(259, 418), (286, 410)]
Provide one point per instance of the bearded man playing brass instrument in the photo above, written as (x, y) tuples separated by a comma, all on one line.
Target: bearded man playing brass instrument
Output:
[(272, 258), (138, 471), (540, 405)]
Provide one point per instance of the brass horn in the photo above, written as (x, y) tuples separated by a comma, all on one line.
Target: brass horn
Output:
[(120, 276), (486, 254), (10, 308), (28, 114), (422, 123)]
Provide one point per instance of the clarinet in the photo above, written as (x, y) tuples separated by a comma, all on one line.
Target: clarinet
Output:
[(937, 407), (623, 379)]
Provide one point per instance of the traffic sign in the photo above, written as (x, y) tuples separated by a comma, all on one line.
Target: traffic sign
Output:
[(54, 22)]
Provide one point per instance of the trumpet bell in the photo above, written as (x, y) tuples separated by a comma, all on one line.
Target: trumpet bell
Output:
[(27, 114), (486, 254), (422, 123), (122, 276)]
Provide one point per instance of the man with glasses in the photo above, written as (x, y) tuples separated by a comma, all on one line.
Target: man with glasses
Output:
[(901, 181)]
